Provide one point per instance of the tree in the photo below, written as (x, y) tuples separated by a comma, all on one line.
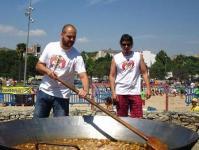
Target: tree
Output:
[(90, 64), (21, 48), (98, 68), (157, 71), (192, 64), (162, 65), (84, 56), (8, 63), (102, 67), (185, 67), (31, 63)]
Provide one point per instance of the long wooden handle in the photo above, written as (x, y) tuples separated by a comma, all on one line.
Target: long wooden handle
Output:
[(135, 130)]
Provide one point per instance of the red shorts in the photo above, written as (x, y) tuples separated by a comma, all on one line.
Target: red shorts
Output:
[(134, 102)]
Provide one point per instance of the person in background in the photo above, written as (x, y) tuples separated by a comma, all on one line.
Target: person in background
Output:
[(192, 85), (125, 79), (109, 103), (14, 82), (59, 60), (143, 96), (196, 91), (195, 106), (8, 83), (182, 92)]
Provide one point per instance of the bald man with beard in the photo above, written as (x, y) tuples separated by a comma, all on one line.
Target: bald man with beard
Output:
[(59, 60)]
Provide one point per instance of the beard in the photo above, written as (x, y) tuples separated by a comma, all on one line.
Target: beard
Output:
[(67, 44)]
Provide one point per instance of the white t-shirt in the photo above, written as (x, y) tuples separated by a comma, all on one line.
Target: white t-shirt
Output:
[(65, 64), (128, 79)]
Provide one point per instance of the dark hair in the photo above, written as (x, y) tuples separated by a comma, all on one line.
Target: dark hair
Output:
[(126, 37), (68, 25)]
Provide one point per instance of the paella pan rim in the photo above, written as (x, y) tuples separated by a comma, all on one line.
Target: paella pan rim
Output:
[(99, 127)]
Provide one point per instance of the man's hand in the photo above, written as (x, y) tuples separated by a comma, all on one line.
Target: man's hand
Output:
[(82, 93), (148, 94), (52, 74), (114, 98)]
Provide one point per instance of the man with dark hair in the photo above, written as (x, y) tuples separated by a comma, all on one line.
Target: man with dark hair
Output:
[(125, 79), (59, 60)]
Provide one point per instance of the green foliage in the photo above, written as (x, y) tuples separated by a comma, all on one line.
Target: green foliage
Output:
[(31, 63), (162, 65), (185, 67), (102, 66), (12, 66), (157, 71), (8, 59), (21, 48), (98, 68), (182, 67), (90, 64)]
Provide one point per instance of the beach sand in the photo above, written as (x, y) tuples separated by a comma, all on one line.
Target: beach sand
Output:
[(176, 103)]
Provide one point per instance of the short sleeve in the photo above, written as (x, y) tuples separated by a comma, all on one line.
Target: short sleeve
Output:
[(44, 56), (80, 66)]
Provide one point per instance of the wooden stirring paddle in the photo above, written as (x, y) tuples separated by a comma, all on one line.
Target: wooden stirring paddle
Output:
[(152, 142)]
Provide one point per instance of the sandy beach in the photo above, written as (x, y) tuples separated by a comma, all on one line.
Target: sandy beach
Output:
[(176, 103)]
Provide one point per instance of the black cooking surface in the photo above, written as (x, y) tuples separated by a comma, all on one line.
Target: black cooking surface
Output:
[(99, 127)]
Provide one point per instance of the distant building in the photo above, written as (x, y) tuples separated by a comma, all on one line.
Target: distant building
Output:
[(149, 57), (35, 50), (103, 53)]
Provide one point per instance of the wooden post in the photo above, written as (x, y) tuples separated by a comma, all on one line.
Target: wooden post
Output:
[(92, 95), (166, 97)]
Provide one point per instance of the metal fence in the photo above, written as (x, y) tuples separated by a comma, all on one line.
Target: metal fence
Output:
[(29, 100), (99, 97), (189, 93)]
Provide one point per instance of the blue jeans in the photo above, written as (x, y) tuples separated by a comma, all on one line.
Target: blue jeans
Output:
[(44, 104)]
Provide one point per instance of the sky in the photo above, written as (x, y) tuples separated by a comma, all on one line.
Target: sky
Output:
[(169, 25)]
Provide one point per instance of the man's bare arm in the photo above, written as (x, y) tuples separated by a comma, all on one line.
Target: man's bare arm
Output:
[(144, 72)]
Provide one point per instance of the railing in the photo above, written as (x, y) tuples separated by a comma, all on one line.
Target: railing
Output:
[(189, 95), (75, 99), (8, 99), (99, 97), (17, 99), (29, 99)]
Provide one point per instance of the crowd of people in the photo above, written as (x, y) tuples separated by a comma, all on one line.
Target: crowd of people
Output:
[(8, 82)]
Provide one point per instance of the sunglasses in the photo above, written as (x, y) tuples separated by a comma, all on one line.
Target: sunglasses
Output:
[(126, 45)]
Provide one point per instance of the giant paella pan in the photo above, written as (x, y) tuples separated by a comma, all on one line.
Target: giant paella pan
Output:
[(46, 130)]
